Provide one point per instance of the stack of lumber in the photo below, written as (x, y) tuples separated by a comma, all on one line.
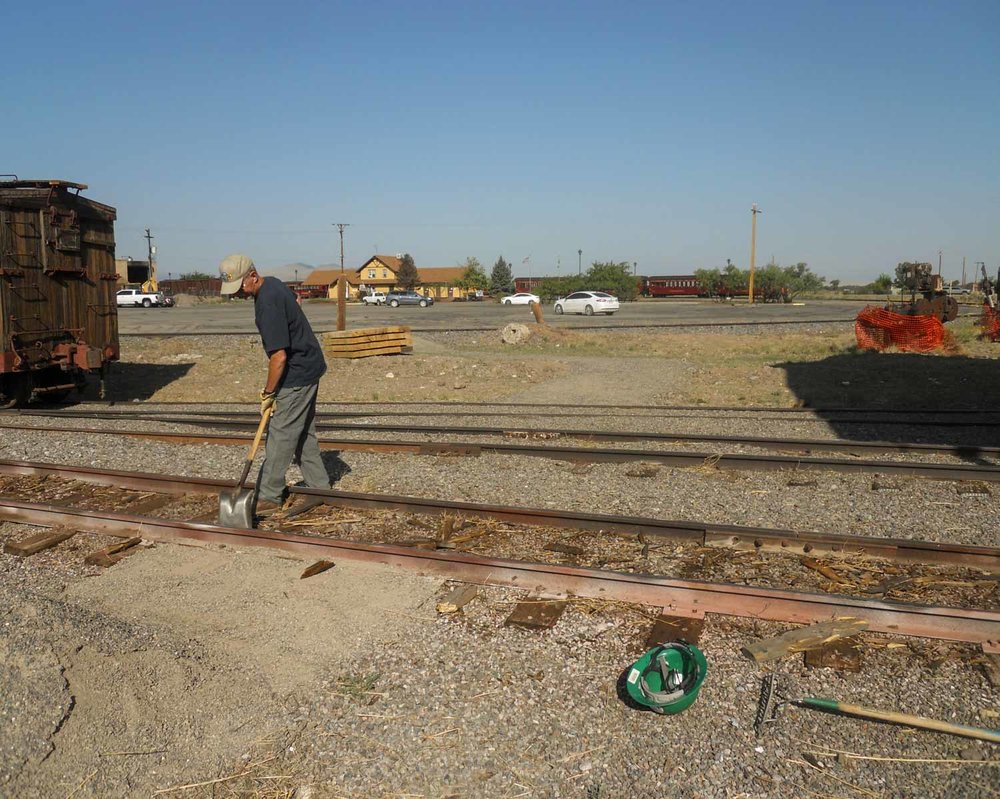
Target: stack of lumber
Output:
[(367, 341)]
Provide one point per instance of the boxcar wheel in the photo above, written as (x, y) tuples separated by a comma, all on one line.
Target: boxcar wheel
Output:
[(588, 311)]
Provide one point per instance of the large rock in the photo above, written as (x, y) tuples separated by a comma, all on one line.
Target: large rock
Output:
[(515, 334)]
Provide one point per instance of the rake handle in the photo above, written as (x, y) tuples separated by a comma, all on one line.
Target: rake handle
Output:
[(922, 722)]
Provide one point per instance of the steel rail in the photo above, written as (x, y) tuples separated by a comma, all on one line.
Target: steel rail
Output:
[(685, 597), (727, 536), (172, 416), (830, 418), (493, 328), (744, 462), (803, 445), (597, 406)]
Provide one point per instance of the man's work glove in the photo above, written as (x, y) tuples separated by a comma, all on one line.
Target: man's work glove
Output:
[(267, 402)]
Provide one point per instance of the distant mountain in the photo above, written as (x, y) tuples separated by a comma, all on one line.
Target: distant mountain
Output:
[(287, 272)]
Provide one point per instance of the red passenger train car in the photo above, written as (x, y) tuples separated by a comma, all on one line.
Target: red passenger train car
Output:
[(671, 286)]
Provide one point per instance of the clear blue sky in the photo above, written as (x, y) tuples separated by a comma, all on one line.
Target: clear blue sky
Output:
[(868, 132)]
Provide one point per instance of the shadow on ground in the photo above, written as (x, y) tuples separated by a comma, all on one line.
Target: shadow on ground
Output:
[(335, 467), (903, 382), (140, 381)]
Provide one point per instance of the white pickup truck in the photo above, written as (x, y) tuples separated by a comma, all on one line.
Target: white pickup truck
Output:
[(136, 297), (375, 298)]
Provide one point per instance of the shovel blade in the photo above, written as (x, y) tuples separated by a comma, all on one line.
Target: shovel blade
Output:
[(236, 508)]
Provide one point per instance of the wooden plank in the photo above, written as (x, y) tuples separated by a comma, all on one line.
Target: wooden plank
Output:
[(364, 331), (38, 542), (347, 341), (565, 549), (109, 556), (669, 628), (803, 639), (844, 654), (459, 597), (318, 567), (369, 353), (397, 341), (536, 613)]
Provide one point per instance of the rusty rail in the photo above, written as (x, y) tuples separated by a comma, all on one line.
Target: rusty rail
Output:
[(726, 536), (684, 597), (734, 461)]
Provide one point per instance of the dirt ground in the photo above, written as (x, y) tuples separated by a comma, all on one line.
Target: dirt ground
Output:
[(179, 644), (817, 366)]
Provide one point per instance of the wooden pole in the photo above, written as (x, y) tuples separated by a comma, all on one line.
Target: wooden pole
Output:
[(753, 246), (342, 302)]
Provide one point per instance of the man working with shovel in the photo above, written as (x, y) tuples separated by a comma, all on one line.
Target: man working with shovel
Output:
[(295, 365)]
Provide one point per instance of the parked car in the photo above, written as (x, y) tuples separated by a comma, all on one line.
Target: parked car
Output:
[(521, 298), (396, 298), (135, 297), (587, 303), (375, 298), (957, 290)]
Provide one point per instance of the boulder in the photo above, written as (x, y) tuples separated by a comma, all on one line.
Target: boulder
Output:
[(515, 334)]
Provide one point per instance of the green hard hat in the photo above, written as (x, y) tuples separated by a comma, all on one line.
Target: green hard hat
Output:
[(666, 679)]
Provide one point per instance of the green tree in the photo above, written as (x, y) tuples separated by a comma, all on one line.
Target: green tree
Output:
[(882, 284), (909, 274), (473, 278), (733, 280), (407, 275), (501, 278), (196, 276), (710, 280), (835, 285), (614, 278), (799, 278)]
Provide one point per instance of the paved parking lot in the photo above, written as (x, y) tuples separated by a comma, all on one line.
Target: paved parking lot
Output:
[(237, 316)]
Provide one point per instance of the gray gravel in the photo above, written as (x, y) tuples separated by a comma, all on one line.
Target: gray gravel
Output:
[(466, 707), (840, 503)]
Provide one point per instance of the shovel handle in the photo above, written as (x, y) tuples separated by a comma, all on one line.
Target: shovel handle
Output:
[(264, 419)]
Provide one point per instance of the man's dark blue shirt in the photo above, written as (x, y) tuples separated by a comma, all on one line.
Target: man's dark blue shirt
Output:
[(283, 326)]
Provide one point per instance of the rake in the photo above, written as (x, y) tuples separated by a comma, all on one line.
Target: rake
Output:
[(771, 701)]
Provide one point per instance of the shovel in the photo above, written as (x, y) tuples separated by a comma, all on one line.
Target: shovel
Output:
[(236, 507)]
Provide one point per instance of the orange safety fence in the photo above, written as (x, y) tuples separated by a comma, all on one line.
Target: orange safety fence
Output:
[(878, 329), (989, 322)]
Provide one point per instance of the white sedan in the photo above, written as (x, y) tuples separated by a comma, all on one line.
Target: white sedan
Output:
[(521, 298), (587, 303)]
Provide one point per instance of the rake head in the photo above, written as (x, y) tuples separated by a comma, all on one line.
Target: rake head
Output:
[(767, 705)]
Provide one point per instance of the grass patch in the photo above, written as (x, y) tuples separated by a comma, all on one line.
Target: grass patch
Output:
[(358, 688)]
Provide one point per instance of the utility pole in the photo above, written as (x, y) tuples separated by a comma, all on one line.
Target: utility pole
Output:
[(342, 283), (939, 263), (963, 272), (579, 262), (754, 210), (150, 250)]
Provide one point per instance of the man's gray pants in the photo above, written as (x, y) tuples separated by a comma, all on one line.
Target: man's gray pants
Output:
[(292, 434)]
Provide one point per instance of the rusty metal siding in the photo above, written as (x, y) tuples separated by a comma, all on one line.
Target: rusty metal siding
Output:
[(57, 278)]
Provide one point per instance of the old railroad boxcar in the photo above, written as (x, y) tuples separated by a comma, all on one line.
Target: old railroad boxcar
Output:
[(58, 317)]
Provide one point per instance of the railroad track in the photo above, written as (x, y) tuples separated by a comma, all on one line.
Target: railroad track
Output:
[(685, 597), (954, 419), (679, 459)]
